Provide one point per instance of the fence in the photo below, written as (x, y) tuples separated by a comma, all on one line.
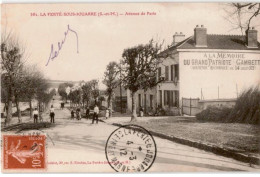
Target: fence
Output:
[(190, 106)]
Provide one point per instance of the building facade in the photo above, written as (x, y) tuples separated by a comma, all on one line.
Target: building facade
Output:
[(145, 99), (206, 66), (201, 68)]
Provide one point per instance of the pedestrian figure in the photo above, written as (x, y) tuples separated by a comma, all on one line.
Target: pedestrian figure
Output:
[(141, 112), (52, 114), (35, 115), (72, 114), (95, 116), (87, 113), (107, 113)]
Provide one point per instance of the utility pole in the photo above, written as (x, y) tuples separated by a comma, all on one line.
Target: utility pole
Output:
[(121, 108), (237, 90), (218, 92)]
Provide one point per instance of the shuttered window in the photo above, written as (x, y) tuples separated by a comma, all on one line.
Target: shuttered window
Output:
[(172, 76), (166, 73), (176, 70)]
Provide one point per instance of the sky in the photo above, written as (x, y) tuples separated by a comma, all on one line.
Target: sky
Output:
[(93, 41)]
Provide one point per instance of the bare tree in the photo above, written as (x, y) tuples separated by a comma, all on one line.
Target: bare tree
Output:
[(111, 81), (241, 15), (139, 68), (11, 63), (94, 89), (28, 84)]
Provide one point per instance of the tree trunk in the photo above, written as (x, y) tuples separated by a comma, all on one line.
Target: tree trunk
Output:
[(30, 104), (6, 107), (39, 106), (9, 112), (133, 117), (110, 105), (10, 104), (18, 109)]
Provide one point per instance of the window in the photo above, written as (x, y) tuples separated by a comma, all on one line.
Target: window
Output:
[(172, 77), (171, 98), (168, 98), (151, 101), (145, 101), (165, 98), (176, 95), (160, 94), (166, 73), (176, 70), (159, 73), (139, 101)]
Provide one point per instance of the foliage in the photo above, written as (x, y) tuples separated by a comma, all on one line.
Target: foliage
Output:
[(11, 64), (75, 96), (139, 66), (62, 90), (214, 114), (94, 89), (19, 82), (246, 110), (111, 80), (53, 92)]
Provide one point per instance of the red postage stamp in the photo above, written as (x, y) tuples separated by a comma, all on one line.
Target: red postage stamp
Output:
[(24, 152)]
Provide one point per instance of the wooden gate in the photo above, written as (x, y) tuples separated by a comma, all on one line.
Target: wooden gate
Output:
[(190, 106)]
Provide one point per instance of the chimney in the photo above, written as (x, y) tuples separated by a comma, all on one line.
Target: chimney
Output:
[(200, 36), (178, 38), (251, 38)]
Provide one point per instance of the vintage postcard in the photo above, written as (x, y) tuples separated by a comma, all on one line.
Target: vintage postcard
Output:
[(130, 87)]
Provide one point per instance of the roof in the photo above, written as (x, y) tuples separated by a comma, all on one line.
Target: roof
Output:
[(225, 42)]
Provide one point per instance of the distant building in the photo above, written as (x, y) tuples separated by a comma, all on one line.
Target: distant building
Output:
[(120, 100)]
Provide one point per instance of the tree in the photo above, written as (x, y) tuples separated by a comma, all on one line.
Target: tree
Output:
[(19, 89), (11, 63), (241, 15), (111, 81), (75, 96), (139, 68), (94, 89), (4, 90), (62, 90), (87, 92), (42, 95), (53, 92), (32, 76)]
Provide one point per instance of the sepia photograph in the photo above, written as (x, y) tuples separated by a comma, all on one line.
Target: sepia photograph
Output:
[(130, 87)]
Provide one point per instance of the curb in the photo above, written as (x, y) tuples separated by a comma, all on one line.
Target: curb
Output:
[(26, 126), (211, 148)]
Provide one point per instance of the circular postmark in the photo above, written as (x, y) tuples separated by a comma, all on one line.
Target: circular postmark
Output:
[(130, 148)]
